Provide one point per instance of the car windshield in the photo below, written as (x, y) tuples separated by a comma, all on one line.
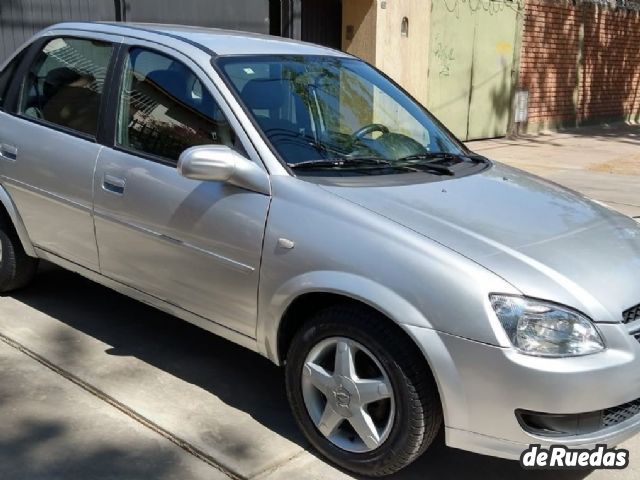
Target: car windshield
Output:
[(325, 113)]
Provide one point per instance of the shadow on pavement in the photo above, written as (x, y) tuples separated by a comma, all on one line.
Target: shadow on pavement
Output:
[(616, 132), (33, 455), (240, 378)]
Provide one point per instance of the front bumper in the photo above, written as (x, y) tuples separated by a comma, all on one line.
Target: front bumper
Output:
[(481, 387)]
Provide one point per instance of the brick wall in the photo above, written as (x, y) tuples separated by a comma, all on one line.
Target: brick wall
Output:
[(548, 59), (565, 91), (610, 81)]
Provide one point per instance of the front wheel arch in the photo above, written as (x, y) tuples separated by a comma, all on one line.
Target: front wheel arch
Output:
[(283, 305), (308, 305), (433, 352)]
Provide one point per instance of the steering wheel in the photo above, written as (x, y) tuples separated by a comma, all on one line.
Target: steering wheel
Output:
[(372, 127)]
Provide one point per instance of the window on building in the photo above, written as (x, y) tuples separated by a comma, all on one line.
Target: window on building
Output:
[(165, 109), (64, 84)]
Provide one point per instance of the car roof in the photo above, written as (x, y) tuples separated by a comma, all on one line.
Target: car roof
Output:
[(214, 40)]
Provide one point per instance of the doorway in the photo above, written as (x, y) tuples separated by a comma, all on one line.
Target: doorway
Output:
[(322, 22)]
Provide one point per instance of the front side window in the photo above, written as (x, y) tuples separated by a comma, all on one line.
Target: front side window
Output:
[(64, 85), (335, 112), (164, 108)]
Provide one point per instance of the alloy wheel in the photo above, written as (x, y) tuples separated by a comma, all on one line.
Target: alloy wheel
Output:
[(348, 395)]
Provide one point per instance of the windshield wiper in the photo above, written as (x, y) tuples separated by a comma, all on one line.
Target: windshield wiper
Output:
[(443, 156), (434, 160), (424, 161), (341, 163), (430, 161)]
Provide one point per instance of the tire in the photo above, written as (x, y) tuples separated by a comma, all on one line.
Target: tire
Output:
[(17, 268), (414, 400)]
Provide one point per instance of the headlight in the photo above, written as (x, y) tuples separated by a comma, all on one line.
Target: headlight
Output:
[(540, 328)]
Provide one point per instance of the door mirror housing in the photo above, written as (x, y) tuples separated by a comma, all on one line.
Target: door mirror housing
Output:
[(219, 163)]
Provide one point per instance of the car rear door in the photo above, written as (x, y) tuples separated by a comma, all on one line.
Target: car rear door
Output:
[(49, 141), (193, 244)]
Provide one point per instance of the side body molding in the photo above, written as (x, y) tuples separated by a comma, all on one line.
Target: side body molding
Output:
[(12, 211)]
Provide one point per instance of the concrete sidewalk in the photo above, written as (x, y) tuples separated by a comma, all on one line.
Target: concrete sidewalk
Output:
[(601, 162), (94, 385), (53, 429)]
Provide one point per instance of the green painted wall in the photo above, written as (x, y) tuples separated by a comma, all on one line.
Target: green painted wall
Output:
[(471, 62)]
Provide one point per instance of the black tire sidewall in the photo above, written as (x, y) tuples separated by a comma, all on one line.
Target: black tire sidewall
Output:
[(397, 440), (7, 260)]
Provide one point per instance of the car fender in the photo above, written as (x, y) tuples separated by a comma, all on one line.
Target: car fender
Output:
[(363, 289), (453, 397), (387, 302), (16, 220)]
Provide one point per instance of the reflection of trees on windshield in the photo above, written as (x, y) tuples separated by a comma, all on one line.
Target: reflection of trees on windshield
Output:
[(321, 104), (347, 102), (344, 102)]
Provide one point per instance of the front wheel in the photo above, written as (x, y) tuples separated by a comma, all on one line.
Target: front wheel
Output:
[(360, 393)]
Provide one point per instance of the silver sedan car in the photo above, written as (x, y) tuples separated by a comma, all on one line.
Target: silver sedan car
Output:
[(294, 200)]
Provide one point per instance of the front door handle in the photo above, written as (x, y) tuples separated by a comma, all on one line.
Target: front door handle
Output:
[(8, 152), (113, 184)]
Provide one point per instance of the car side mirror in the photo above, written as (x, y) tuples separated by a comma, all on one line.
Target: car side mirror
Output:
[(223, 164)]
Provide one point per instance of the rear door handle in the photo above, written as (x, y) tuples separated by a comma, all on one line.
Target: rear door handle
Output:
[(8, 152), (113, 184)]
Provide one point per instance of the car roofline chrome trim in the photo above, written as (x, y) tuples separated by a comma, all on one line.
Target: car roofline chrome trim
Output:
[(175, 36), (73, 26)]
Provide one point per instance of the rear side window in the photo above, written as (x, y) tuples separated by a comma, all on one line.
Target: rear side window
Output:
[(165, 109), (6, 76), (64, 84)]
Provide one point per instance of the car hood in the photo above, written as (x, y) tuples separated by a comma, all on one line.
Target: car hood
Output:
[(547, 241)]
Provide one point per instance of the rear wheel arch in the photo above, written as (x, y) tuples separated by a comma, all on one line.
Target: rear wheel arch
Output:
[(10, 218), (17, 267)]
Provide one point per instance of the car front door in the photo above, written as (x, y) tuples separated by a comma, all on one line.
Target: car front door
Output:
[(49, 146), (194, 244)]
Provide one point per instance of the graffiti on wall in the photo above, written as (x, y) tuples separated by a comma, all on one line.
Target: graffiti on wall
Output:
[(445, 55), (490, 6)]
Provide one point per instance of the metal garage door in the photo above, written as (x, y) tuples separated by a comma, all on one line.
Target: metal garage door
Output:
[(249, 15), (20, 19)]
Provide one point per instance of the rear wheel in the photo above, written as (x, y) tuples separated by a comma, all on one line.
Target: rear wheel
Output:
[(17, 268), (360, 392)]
